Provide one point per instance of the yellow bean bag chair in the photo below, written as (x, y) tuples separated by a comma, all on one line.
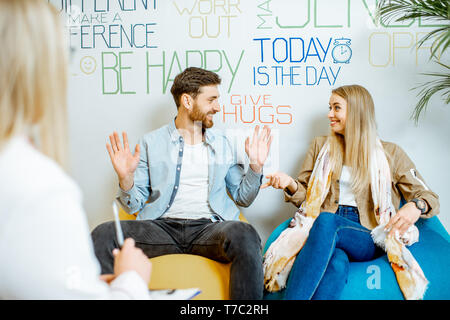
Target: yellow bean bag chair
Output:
[(181, 271)]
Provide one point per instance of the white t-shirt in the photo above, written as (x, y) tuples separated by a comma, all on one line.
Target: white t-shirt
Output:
[(191, 200), (346, 196)]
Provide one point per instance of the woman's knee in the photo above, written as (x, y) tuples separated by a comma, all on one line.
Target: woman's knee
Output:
[(325, 222), (339, 263)]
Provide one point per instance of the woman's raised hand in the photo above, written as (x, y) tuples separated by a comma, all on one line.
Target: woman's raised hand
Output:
[(280, 180)]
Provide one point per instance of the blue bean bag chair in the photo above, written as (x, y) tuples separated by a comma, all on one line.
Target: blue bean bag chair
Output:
[(375, 280)]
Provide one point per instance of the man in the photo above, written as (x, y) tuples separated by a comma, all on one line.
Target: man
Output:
[(185, 181)]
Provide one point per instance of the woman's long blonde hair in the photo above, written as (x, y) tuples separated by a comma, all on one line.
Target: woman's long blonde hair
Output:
[(33, 71), (354, 149)]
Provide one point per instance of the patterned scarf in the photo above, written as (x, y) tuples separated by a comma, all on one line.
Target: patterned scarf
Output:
[(281, 254)]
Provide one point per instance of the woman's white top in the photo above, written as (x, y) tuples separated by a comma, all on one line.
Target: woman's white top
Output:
[(346, 196), (46, 250)]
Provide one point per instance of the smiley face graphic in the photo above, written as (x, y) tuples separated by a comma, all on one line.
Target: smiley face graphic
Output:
[(88, 65)]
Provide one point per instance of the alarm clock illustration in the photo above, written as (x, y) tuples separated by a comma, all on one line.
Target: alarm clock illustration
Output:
[(342, 53)]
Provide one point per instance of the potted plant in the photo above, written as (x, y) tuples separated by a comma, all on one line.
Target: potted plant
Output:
[(437, 12)]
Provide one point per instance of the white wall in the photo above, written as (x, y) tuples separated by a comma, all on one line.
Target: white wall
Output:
[(384, 60)]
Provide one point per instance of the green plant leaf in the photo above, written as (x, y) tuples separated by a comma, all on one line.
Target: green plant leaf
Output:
[(436, 12)]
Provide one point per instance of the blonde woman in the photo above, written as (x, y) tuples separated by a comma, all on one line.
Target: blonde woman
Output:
[(342, 231), (45, 247)]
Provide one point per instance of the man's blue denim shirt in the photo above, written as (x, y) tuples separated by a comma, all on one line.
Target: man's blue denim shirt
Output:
[(157, 177)]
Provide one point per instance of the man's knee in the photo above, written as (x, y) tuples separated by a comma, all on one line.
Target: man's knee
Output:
[(103, 232), (243, 237), (244, 232)]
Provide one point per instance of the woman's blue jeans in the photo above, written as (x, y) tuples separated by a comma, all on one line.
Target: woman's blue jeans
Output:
[(321, 268)]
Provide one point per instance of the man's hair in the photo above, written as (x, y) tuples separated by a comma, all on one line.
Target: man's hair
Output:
[(190, 81)]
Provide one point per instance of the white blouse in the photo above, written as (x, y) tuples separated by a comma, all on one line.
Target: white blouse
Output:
[(46, 250), (346, 196)]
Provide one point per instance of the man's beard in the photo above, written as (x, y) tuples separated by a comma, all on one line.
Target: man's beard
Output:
[(197, 116)]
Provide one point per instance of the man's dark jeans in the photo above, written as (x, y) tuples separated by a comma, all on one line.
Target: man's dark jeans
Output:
[(226, 241)]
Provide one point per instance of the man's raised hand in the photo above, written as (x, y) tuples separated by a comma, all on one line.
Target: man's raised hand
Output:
[(258, 149), (123, 161)]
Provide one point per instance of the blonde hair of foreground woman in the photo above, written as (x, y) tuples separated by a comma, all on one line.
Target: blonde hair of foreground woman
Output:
[(33, 71)]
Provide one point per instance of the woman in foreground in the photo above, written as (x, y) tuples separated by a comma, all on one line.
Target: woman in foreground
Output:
[(45, 246)]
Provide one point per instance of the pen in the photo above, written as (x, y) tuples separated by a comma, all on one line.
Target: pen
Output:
[(119, 232)]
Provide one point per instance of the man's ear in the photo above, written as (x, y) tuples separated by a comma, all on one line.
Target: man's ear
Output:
[(186, 101)]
